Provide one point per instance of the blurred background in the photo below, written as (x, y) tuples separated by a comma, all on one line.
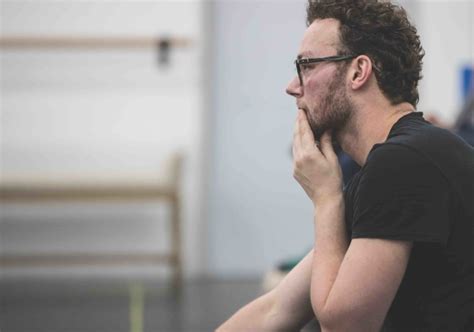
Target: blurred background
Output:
[(146, 179)]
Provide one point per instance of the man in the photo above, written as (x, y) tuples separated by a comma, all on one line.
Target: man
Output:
[(394, 249)]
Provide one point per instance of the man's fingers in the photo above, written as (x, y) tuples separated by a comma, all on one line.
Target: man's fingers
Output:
[(306, 134), (326, 145), (294, 150), (296, 136)]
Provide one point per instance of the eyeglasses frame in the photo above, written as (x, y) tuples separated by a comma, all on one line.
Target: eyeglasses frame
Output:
[(305, 61)]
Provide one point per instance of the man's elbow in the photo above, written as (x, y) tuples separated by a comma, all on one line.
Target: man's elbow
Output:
[(328, 321), (339, 319)]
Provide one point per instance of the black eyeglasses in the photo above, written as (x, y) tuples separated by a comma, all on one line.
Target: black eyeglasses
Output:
[(305, 61)]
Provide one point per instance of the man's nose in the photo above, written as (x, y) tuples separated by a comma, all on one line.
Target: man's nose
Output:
[(294, 88)]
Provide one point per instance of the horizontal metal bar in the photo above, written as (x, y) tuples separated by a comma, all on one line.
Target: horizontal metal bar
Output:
[(71, 193), (10, 260), (89, 42)]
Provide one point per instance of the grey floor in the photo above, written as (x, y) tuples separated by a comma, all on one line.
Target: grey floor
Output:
[(116, 306)]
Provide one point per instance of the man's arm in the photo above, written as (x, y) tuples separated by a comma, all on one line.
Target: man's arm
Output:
[(352, 285), (285, 308)]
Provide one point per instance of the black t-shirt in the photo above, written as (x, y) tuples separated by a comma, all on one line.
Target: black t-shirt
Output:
[(419, 186)]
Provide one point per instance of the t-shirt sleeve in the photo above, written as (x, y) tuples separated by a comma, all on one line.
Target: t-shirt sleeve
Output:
[(401, 196)]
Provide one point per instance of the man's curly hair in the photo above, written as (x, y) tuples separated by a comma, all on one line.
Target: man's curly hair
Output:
[(381, 31)]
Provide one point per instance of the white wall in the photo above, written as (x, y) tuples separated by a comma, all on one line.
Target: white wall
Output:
[(447, 34), (258, 215), (257, 212), (104, 112)]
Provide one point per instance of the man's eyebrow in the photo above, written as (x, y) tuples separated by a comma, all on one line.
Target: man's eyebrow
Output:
[(304, 55)]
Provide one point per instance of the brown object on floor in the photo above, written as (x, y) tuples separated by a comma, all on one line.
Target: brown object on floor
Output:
[(68, 188)]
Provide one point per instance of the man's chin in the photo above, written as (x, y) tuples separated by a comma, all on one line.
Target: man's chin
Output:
[(317, 132)]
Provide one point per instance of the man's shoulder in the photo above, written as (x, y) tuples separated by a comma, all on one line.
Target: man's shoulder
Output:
[(426, 139), (399, 165), (392, 155), (422, 145), (441, 159)]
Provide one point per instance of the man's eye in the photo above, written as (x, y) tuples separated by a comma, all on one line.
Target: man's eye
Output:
[(306, 67)]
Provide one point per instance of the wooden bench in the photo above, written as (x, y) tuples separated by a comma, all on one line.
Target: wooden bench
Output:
[(131, 188)]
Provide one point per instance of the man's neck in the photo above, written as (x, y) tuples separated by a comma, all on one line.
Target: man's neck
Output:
[(369, 127)]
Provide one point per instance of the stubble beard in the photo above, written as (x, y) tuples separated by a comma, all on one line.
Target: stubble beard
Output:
[(335, 108)]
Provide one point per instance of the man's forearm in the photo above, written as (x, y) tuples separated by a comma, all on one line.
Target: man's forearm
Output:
[(267, 314), (331, 241), (285, 308), (253, 316)]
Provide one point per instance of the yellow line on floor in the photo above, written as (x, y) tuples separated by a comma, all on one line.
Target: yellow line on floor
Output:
[(137, 299)]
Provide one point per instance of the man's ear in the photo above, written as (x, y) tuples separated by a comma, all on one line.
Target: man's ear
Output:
[(360, 71)]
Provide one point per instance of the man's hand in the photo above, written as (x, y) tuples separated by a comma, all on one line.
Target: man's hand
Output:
[(316, 168)]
